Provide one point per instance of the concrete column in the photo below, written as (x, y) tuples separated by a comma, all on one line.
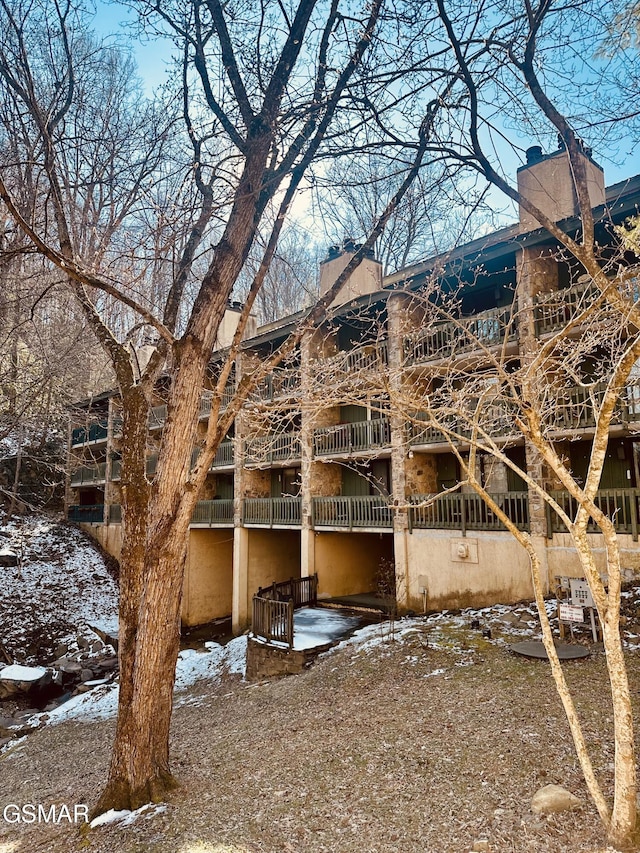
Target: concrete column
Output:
[(241, 604)]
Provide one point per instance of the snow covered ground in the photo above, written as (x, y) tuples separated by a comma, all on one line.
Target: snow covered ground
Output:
[(60, 586), (101, 702)]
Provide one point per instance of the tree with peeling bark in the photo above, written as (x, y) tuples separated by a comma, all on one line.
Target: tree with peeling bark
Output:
[(263, 93)]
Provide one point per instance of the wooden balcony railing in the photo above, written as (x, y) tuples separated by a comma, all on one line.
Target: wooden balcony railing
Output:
[(352, 437), (458, 511), (91, 433), (91, 514), (213, 513), (352, 512), (554, 310), (278, 447), (442, 340), (622, 506), (362, 358), (158, 414), (271, 512), (88, 474), (283, 382)]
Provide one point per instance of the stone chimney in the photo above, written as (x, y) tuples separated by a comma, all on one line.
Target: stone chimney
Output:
[(367, 278), (229, 324), (546, 181)]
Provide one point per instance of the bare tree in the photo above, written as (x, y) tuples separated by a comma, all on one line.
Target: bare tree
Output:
[(258, 97), (581, 374)]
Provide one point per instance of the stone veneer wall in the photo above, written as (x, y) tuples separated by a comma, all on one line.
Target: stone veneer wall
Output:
[(265, 661)]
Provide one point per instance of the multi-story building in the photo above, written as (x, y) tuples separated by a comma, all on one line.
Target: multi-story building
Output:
[(326, 472)]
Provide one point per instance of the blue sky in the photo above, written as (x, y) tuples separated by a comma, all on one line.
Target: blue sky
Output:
[(153, 58)]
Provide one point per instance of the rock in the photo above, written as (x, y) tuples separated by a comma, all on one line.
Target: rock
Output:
[(110, 638), (552, 799), (8, 558), (480, 845), (71, 667), (97, 646), (86, 675), (61, 651), (82, 642), (108, 664)]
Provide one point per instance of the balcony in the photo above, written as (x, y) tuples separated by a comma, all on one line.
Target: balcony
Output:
[(576, 407), (553, 311), (91, 514), (366, 357), (622, 506), (91, 434), (352, 512), (461, 511), (271, 512), (282, 383), (351, 438), (218, 513), (158, 414), (443, 340), (280, 447), (88, 475)]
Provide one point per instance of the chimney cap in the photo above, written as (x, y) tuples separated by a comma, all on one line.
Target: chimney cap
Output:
[(534, 154)]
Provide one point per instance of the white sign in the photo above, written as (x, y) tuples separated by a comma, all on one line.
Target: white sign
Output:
[(571, 613)]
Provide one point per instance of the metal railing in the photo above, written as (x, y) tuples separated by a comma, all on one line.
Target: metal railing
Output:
[(622, 506), (88, 474), (352, 437), (352, 512), (213, 513), (90, 514), (272, 448), (270, 512), (462, 511), (441, 340)]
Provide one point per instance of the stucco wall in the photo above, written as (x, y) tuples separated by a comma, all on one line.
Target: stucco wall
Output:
[(346, 563), (496, 569), (562, 558), (273, 555), (108, 535), (208, 580)]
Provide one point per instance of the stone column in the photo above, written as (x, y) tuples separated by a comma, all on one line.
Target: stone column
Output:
[(537, 273)]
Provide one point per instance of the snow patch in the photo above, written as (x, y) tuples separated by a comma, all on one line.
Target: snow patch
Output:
[(16, 672), (126, 817)]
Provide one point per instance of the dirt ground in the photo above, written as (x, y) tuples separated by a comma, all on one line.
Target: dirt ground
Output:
[(435, 742)]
